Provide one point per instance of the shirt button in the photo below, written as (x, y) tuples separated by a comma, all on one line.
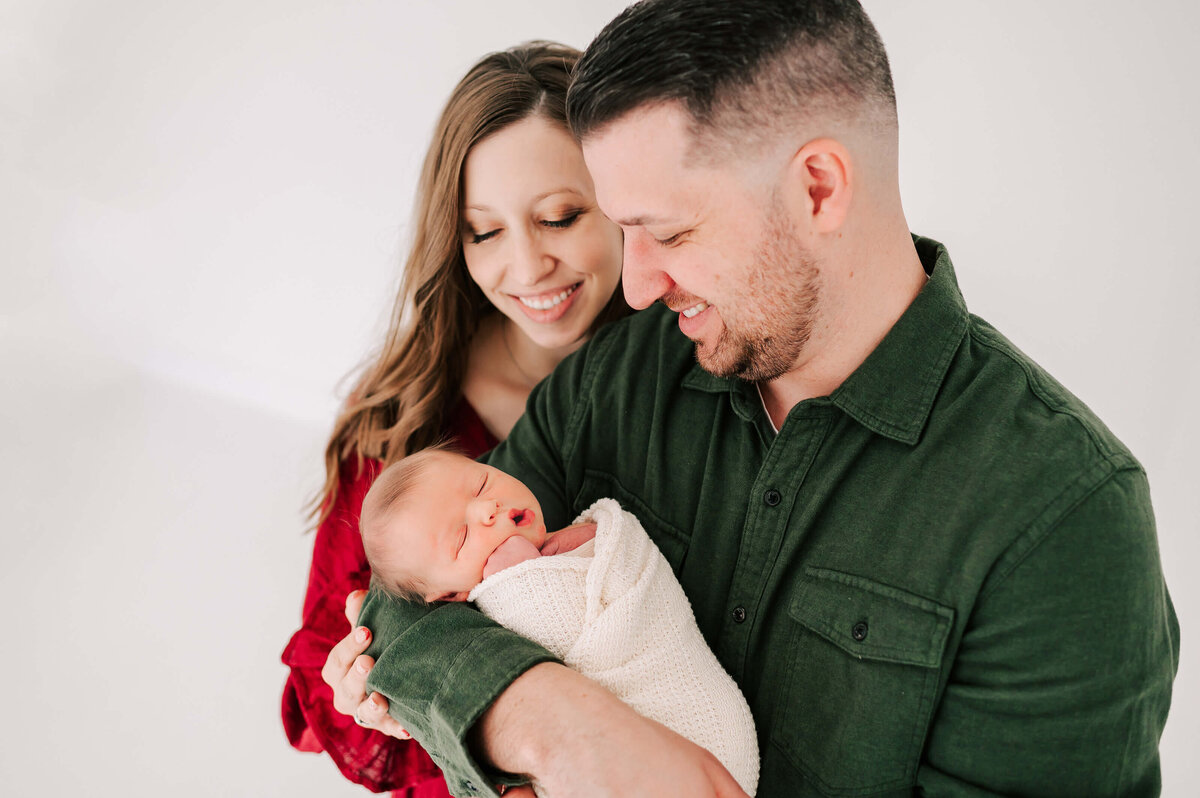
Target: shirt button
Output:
[(772, 497), (739, 614), (859, 631)]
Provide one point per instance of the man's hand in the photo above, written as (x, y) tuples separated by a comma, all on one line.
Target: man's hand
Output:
[(573, 737), (346, 670)]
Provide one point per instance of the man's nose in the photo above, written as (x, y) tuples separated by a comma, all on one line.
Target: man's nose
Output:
[(642, 275), (530, 259)]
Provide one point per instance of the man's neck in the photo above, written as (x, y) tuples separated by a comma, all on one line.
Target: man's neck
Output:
[(861, 306)]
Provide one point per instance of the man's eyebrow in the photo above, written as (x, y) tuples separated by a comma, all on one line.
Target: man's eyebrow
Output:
[(640, 221)]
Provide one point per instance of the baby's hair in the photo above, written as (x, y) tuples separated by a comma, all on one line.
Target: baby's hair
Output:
[(393, 485)]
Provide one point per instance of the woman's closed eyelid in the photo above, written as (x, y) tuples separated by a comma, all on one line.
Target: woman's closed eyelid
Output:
[(565, 220), (479, 238)]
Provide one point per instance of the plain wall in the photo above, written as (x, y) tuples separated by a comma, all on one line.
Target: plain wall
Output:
[(202, 211)]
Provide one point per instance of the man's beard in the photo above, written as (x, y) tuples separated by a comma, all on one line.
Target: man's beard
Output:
[(779, 303)]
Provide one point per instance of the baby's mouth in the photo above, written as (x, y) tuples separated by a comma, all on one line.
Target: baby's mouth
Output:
[(521, 517)]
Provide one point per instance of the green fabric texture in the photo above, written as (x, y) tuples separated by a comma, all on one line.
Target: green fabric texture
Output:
[(942, 579)]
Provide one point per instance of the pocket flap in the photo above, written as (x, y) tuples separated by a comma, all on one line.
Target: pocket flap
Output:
[(869, 620)]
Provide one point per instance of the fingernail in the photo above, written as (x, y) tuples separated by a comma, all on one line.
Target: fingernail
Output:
[(374, 701), (361, 634), (360, 666)]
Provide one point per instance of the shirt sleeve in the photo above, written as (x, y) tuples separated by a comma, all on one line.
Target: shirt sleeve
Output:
[(364, 756), (441, 667), (1062, 679)]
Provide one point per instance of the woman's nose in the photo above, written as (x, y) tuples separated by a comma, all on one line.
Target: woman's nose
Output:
[(530, 260)]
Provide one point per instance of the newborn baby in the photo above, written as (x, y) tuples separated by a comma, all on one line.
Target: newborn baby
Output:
[(438, 526)]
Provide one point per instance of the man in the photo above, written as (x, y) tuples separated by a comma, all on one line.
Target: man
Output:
[(929, 567)]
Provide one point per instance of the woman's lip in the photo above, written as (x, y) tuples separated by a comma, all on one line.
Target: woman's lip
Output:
[(550, 314), (547, 293)]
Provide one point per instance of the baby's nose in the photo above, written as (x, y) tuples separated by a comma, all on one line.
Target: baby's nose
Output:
[(488, 510)]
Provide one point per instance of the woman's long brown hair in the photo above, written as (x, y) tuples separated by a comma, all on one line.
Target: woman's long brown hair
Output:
[(399, 402)]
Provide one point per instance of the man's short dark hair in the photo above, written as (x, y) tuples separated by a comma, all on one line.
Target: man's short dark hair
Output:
[(739, 67)]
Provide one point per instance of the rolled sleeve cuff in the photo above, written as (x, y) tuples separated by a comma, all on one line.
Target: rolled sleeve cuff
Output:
[(440, 674), (472, 684)]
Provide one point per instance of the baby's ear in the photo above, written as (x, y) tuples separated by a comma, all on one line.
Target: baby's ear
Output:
[(459, 596)]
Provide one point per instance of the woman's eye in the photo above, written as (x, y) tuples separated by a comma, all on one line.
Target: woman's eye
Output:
[(479, 238), (566, 221), (666, 242)]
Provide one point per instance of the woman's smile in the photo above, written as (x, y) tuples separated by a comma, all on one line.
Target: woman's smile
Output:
[(548, 307)]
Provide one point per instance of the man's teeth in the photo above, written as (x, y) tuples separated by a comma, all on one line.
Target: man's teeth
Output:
[(545, 303), (694, 309)]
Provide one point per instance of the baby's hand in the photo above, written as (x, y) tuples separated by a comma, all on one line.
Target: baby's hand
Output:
[(512, 551), (568, 539)]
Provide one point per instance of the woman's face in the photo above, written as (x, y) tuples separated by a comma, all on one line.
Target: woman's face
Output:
[(534, 240)]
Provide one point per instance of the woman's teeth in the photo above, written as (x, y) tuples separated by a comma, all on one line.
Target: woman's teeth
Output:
[(694, 309), (547, 302)]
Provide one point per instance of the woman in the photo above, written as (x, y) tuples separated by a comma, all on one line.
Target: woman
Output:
[(512, 268)]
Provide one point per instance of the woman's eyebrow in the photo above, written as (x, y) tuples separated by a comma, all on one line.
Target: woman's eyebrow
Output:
[(552, 192), (538, 198)]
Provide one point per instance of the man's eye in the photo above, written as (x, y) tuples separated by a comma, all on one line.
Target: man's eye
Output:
[(566, 221), (479, 238)]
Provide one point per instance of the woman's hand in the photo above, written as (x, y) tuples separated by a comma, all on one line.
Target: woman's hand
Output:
[(346, 669)]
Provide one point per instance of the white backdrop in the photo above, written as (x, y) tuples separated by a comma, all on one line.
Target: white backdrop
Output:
[(202, 209)]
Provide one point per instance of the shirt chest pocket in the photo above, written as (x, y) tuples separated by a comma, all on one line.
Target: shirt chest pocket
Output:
[(865, 667), (670, 539)]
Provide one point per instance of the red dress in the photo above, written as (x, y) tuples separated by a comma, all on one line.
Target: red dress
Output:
[(339, 566)]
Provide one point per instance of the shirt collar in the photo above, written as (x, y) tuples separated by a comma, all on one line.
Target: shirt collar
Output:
[(893, 390)]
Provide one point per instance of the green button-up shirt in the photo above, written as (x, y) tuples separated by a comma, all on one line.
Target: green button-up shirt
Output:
[(941, 579)]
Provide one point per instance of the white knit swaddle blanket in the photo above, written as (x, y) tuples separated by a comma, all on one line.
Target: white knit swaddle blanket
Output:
[(613, 610)]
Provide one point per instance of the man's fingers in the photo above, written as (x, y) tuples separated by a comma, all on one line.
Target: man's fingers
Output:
[(354, 602)]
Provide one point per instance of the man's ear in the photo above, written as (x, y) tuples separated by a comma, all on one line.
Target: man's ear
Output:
[(820, 184)]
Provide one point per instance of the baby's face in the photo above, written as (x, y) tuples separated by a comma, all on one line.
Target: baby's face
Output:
[(459, 514)]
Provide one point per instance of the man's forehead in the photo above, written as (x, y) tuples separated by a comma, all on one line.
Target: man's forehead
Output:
[(637, 163), (659, 128)]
